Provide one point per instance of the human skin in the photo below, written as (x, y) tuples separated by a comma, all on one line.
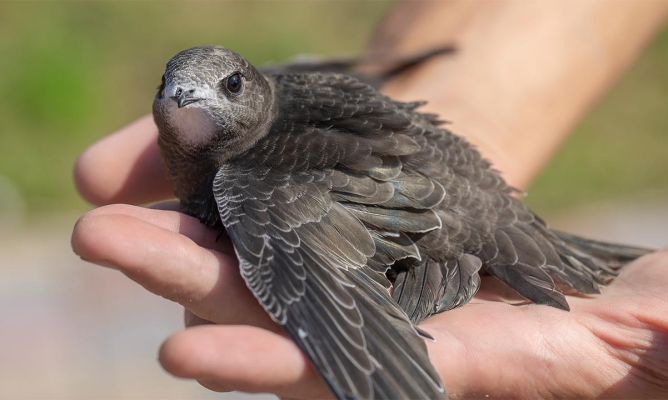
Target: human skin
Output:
[(611, 345)]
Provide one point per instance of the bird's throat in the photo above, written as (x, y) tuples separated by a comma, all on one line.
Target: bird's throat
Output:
[(193, 126)]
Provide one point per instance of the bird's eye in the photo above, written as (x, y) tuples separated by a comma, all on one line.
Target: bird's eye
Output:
[(233, 83)]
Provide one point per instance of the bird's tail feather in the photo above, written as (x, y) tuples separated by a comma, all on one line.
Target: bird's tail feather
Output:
[(542, 264), (616, 255)]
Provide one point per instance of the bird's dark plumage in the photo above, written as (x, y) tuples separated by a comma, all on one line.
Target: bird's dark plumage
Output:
[(380, 67), (333, 194)]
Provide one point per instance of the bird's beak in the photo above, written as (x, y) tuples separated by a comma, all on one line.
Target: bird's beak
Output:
[(184, 99)]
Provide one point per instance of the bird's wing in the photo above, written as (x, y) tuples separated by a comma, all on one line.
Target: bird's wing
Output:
[(387, 173), (375, 68), (304, 256)]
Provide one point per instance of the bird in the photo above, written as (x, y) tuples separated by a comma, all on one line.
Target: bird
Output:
[(355, 216)]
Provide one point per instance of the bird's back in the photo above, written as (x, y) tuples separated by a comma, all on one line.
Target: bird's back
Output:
[(440, 214)]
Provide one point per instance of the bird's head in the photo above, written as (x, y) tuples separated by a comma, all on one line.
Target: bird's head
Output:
[(212, 98)]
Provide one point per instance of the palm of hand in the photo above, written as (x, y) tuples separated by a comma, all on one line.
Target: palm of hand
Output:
[(611, 345), (615, 344)]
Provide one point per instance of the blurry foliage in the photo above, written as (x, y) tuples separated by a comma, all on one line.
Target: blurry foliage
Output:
[(72, 72)]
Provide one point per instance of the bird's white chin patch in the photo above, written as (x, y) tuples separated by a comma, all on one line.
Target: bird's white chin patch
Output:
[(194, 125)]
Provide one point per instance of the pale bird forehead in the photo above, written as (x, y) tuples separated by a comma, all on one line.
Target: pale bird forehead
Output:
[(203, 67), (191, 78)]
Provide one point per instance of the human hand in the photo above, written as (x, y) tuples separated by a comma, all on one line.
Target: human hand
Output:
[(612, 345)]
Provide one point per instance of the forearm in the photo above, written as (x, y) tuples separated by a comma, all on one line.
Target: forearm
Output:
[(525, 72)]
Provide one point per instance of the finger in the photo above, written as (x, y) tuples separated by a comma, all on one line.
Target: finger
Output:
[(160, 257), (640, 290), (124, 167), (241, 358), (645, 275), (166, 217), (213, 385), (190, 319), (172, 205)]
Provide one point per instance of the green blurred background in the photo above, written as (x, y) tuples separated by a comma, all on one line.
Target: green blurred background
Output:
[(72, 72)]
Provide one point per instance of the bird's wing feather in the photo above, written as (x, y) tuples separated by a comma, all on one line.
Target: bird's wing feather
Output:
[(304, 256), (381, 153), (375, 69)]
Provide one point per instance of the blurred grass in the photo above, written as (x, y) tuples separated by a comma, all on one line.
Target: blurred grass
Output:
[(72, 72)]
